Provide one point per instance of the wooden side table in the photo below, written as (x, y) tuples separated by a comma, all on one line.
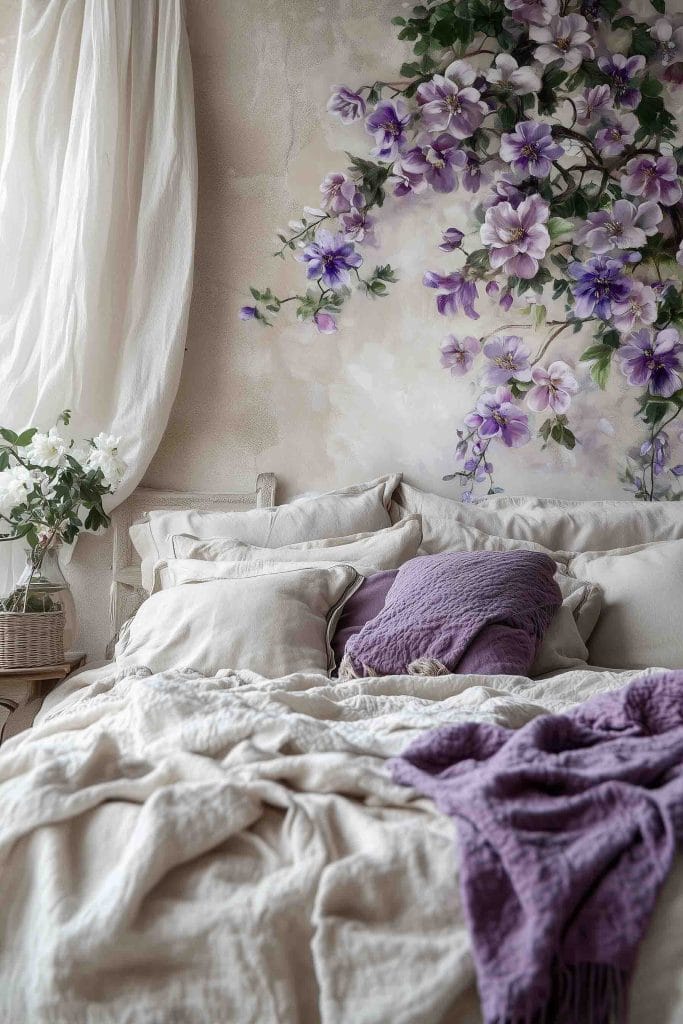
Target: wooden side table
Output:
[(22, 691)]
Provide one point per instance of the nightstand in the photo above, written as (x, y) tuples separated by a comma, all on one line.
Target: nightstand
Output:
[(22, 691)]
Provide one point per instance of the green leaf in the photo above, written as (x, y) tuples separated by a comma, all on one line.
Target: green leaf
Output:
[(562, 435), (26, 437), (659, 6), (558, 226), (642, 41), (507, 118), (8, 435)]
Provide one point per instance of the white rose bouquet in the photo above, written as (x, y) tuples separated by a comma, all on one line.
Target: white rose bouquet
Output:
[(50, 489)]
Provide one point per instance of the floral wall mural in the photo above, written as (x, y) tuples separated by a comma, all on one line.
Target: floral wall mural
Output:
[(557, 120)]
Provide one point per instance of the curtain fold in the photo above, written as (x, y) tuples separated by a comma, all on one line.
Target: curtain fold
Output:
[(98, 187)]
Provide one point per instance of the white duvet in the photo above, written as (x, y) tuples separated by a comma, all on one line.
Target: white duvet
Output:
[(183, 850)]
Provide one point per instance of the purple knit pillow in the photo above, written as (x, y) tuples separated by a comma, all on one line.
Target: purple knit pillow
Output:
[(362, 606), (480, 611)]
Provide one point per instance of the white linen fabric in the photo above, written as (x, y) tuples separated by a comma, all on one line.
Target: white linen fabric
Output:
[(187, 849), (564, 642), (641, 622), (556, 525), (366, 552), (269, 618), (98, 188), (361, 508)]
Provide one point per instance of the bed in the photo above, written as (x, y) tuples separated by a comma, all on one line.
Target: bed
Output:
[(231, 848)]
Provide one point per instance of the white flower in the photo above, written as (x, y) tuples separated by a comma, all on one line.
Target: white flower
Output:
[(15, 485), (507, 72), (42, 481), (104, 456), (47, 449)]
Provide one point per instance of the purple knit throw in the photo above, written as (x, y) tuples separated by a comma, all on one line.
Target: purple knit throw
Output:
[(470, 611), (567, 828)]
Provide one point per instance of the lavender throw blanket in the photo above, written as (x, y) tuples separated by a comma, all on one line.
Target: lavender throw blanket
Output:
[(466, 611), (567, 829)]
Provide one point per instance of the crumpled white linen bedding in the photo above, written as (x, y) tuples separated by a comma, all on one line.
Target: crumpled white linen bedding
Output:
[(176, 849)]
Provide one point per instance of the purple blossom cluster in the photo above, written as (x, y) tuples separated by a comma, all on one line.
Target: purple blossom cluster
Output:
[(573, 214)]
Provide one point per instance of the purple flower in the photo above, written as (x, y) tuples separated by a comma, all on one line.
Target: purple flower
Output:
[(450, 102), (517, 239), (457, 292), (507, 74), (535, 12), (618, 133), (654, 362), (325, 322), (592, 102), (388, 123), (621, 70), (329, 259), (452, 239), (625, 226), (653, 178), (599, 283), (358, 225), (638, 309), (670, 41), (476, 173), (248, 313), (458, 355), (504, 191), (346, 104), (563, 39), (406, 182), (530, 149), (437, 161), (553, 388), (509, 358), (659, 451), (338, 193), (496, 415), (506, 301)]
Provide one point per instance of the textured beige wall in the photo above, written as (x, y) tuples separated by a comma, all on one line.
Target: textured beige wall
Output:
[(325, 410)]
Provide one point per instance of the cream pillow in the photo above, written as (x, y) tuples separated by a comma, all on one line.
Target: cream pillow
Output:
[(556, 524), (641, 622), (272, 619), (360, 508), (366, 552), (563, 645)]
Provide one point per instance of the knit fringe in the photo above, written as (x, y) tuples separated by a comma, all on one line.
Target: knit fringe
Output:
[(581, 994), (419, 667)]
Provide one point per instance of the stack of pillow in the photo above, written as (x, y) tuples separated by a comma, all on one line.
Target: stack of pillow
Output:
[(285, 589)]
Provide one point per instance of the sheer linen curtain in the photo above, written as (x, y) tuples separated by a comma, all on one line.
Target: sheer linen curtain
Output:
[(98, 187)]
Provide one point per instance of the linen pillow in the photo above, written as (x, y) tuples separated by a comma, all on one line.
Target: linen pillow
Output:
[(361, 607), (360, 508), (366, 552), (482, 612), (555, 524), (641, 623), (273, 619)]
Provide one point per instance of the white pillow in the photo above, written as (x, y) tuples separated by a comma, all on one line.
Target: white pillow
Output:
[(360, 508), (366, 552), (558, 525), (273, 619), (641, 622)]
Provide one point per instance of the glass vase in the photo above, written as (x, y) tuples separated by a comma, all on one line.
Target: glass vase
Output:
[(48, 590)]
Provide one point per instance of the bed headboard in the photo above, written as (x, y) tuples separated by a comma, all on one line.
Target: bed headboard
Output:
[(126, 588)]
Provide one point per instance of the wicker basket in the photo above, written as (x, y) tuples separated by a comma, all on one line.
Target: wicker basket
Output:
[(31, 639)]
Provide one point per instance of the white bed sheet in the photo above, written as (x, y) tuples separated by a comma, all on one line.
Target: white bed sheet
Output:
[(182, 849)]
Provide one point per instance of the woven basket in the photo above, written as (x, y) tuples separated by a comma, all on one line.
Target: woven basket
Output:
[(31, 639)]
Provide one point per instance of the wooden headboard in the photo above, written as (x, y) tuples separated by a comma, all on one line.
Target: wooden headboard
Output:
[(127, 593)]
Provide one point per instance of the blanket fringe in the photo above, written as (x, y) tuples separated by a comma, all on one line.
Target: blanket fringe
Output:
[(419, 667), (581, 994)]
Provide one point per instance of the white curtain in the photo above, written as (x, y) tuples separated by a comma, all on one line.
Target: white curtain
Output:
[(98, 187)]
